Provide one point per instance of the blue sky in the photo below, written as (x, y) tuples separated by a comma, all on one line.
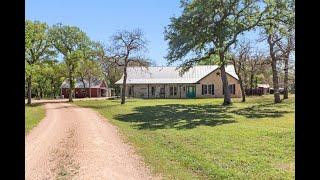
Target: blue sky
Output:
[(102, 18)]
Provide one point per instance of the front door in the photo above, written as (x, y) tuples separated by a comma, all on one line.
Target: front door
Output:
[(191, 91)]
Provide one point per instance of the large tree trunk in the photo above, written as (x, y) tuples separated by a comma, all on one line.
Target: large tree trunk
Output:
[(274, 71), (52, 89), (227, 98), (29, 89), (286, 69), (275, 82), (124, 85), (41, 92), (251, 81), (71, 89), (89, 88), (84, 85), (256, 83), (243, 93), (245, 82)]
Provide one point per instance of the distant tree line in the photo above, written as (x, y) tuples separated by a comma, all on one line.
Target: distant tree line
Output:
[(79, 56)]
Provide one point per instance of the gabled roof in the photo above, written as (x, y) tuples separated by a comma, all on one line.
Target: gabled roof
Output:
[(170, 75), (96, 83)]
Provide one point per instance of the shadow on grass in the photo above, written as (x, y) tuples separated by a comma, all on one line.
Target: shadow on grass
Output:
[(263, 111), (177, 116), (34, 104)]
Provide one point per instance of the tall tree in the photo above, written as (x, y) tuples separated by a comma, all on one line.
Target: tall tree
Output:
[(255, 64), (208, 28), (287, 46), (37, 48), (126, 48), (239, 61), (70, 41), (280, 13), (111, 71)]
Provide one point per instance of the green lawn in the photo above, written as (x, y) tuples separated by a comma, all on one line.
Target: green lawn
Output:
[(34, 114), (200, 139)]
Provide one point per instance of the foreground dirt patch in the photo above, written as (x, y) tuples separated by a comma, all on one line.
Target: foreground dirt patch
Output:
[(77, 143)]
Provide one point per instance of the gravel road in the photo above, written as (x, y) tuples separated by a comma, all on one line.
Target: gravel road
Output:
[(77, 143)]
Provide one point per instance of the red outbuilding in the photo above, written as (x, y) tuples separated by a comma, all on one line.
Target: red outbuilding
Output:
[(98, 88)]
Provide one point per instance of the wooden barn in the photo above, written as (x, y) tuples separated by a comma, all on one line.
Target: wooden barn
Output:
[(98, 88)]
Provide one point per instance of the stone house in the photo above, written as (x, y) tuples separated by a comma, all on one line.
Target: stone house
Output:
[(202, 81)]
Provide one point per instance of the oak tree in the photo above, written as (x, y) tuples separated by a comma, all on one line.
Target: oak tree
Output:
[(70, 41), (207, 28), (126, 48), (38, 48)]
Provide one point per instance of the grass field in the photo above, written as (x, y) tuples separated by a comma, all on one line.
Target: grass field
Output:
[(200, 139), (34, 114)]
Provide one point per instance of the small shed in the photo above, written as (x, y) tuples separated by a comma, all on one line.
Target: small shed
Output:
[(264, 87), (281, 90)]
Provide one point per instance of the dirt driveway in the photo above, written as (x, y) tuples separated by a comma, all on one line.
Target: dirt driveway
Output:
[(77, 143), (34, 101)]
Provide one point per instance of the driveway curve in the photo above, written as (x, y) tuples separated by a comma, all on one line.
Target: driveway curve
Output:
[(77, 143)]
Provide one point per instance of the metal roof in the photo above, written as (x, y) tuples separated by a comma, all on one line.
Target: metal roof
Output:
[(96, 83), (170, 75), (263, 85)]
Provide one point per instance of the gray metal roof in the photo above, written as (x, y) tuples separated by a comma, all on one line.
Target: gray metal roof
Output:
[(79, 84), (264, 85), (170, 75)]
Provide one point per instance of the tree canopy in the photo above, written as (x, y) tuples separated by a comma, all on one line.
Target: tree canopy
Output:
[(38, 48), (209, 28), (71, 42), (206, 28)]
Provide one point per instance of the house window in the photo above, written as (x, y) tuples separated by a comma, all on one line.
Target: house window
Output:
[(83, 90), (231, 88), (184, 88), (153, 91), (211, 89), (207, 89), (173, 91), (204, 89)]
